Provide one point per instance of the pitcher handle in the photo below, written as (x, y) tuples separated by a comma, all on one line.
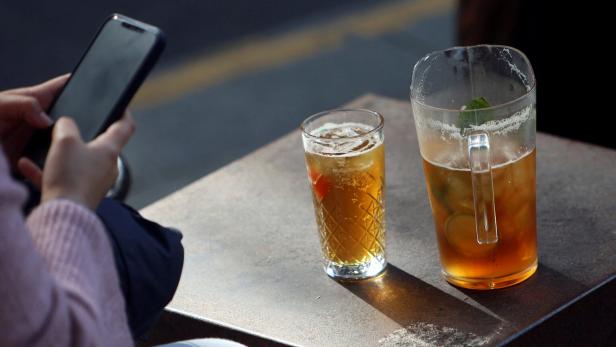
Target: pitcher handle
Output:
[(483, 189)]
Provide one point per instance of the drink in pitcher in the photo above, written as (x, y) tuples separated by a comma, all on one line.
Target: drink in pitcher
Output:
[(344, 154), (467, 261)]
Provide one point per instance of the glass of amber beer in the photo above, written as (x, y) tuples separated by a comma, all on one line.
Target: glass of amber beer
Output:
[(346, 169), (474, 111)]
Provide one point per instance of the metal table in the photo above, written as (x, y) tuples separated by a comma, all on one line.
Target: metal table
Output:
[(253, 260)]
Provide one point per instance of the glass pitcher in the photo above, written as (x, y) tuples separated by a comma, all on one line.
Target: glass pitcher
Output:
[(474, 111)]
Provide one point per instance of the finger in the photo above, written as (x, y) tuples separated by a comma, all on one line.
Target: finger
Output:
[(31, 171), (65, 129), (117, 135), (23, 107), (15, 141), (45, 92)]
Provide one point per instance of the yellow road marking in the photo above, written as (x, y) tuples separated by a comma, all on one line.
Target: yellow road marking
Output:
[(256, 54)]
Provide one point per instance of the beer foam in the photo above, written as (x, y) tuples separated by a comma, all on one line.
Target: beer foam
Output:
[(341, 130), (496, 127), (342, 139), (457, 163)]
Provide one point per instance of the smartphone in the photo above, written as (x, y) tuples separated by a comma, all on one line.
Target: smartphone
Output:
[(104, 81)]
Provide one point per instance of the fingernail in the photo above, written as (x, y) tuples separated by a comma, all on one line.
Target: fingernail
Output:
[(46, 119)]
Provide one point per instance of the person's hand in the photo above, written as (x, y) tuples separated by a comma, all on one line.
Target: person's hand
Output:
[(22, 110), (78, 171)]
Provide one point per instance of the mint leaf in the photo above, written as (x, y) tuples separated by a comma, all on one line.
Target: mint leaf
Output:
[(476, 103), (470, 116)]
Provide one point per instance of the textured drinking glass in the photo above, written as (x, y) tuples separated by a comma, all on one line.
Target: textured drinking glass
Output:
[(474, 111), (346, 168)]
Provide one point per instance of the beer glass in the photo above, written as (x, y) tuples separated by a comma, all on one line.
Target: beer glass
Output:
[(345, 160)]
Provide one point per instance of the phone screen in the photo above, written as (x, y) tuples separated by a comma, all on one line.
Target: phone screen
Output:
[(102, 76)]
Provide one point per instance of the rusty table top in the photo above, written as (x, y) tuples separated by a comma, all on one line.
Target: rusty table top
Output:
[(253, 259)]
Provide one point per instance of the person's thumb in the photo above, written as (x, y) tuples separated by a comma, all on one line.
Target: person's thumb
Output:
[(65, 129)]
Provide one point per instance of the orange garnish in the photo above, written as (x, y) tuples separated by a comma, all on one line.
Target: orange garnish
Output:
[(320, 184)]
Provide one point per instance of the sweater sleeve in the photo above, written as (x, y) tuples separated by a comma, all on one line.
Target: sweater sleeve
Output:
[(58, 285)]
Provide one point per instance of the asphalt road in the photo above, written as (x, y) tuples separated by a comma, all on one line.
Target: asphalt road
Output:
[(39, 39)]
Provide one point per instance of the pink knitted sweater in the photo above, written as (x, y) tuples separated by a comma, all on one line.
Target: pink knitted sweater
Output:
[(58, 283)]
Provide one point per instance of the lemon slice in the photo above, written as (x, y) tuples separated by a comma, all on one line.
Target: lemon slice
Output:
[(460, 233)]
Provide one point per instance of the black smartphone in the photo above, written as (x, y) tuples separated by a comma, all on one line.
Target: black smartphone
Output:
[(104, 81)]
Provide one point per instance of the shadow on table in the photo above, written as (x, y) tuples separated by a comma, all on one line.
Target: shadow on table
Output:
[(413, 303), (530, 300), (586, 321)]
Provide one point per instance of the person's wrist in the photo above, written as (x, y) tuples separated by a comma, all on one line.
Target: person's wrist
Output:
[(71, 196)]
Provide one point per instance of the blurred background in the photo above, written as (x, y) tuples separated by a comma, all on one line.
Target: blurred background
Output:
[(235, 74), (238, 74)]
